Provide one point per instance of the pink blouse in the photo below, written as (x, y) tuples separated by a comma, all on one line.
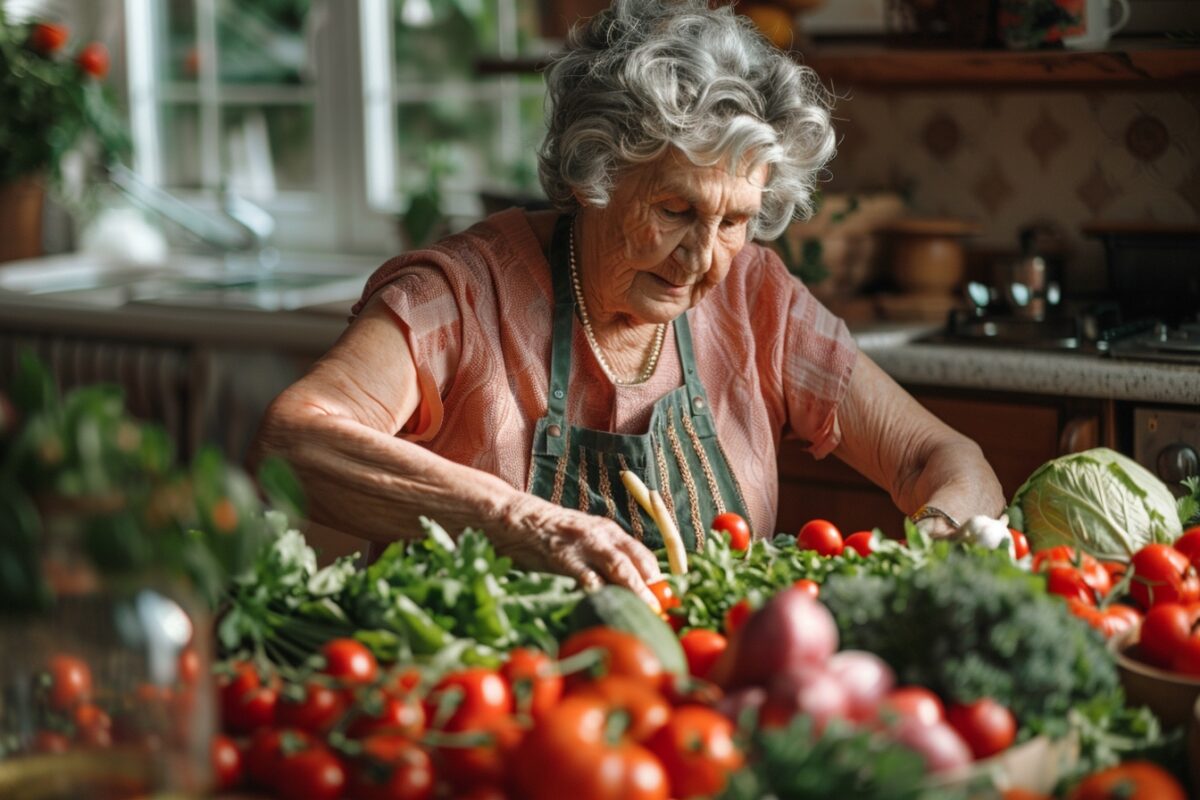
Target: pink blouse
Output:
[(476, 309)]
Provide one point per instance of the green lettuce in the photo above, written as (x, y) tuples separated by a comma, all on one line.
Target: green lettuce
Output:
[(1097, 500)]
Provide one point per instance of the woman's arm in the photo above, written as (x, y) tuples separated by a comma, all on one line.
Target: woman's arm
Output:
[(892, 439), (336, 426)]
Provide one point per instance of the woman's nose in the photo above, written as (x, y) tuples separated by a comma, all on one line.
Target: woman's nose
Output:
[(698, 246)]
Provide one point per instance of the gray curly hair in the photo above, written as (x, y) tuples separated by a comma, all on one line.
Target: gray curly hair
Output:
[(647, 75)]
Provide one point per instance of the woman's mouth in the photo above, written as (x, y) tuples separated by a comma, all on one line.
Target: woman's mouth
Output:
[(670, 287)]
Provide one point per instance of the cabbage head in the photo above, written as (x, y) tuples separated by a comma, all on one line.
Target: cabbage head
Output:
[(1099, 501)]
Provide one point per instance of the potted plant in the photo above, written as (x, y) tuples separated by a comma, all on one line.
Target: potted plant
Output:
[(52, 93)]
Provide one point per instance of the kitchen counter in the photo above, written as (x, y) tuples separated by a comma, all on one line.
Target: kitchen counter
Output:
[(898, 351)]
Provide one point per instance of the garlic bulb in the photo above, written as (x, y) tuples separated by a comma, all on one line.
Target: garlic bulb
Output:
[(986, 532)]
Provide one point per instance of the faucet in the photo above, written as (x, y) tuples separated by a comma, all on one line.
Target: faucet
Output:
[(242, 227)]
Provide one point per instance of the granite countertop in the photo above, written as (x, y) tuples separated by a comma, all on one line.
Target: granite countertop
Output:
[(899, 352)]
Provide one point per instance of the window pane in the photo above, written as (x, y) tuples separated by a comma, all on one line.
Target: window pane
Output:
[(269, 149), (436, 41), (179, 57), (263, 41), (181, 129)]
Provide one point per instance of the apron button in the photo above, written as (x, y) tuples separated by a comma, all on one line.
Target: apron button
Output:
[(698, 403), (554, 430), (558, 393)]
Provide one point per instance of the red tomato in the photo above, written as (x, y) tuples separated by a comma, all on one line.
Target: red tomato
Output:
[(49, 742), (1112, 620), (697, 749), (644, 708), (1020, 543), (810, 588), (986, 726), (735, 527), (1189, 545), (861, 542), (1069, 583), (702, 649), (245, 704), (1093, 572), (349, 661), (534, 680), (665, 595), (487, 763), (70, 682), (92, 726), (1162, 574), (624, 654), (579, 746), (187, 667), (47, 38), (916, 702), (314, 708), (385, 713), (1187, 655), (226, 763), (268, 751), (736, 616), (314, 774), (473, 693), (1133, 780), (93, 60), (392, 767), (1164, 631), (822, 536)]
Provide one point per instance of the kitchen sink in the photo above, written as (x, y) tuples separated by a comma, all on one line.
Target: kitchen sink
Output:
[(296, 281)]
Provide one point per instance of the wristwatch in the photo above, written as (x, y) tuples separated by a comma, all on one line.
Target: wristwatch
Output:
[(928, 511)]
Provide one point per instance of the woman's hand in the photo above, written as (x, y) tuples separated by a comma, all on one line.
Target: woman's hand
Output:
[(539, 535)]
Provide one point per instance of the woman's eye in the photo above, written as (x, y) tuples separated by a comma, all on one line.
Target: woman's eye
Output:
[(674, 213)]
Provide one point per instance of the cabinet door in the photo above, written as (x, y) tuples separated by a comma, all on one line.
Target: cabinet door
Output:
[(1016, 438)]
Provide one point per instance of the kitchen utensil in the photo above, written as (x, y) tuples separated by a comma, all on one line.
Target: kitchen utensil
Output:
[(1097, 25), (927, 253)]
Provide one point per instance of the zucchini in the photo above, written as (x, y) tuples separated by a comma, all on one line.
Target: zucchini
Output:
[(619, 608)]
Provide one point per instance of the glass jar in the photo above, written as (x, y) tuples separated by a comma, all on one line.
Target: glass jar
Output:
[(106, 692)]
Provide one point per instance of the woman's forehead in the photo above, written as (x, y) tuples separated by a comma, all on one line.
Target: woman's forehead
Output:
[(673, 175)]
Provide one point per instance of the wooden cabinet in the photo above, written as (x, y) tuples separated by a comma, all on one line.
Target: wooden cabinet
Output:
[(1017, 434)]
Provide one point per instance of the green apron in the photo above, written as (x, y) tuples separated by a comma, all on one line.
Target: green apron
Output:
[(680, 456)]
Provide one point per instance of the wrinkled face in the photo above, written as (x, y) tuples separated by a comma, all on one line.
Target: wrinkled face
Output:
[(668, 236)]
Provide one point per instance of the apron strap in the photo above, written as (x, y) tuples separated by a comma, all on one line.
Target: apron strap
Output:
[(697, 398), (564, 320)]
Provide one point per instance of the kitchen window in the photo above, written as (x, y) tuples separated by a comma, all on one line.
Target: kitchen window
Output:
[(336, 116)]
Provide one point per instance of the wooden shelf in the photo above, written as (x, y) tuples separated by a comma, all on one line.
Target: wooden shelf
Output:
[(873, 65)]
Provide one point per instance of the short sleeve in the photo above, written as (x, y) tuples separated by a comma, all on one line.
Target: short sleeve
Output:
[(421, 299), (818, 358)]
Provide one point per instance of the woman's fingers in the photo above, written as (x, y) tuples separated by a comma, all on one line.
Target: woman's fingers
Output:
[(615, 565), (642, 557)]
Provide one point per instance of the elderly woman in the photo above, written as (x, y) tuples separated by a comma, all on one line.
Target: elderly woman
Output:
[(504, 378)]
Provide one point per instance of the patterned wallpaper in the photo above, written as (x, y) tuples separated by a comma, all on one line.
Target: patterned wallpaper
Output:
[(1006, 158)]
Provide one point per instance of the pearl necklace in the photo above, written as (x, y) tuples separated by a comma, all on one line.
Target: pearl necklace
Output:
[(655, 348)]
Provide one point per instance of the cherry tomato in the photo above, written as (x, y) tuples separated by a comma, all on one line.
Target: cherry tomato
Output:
[(93, 60), (1112, 620), (1020, 543), (811, 588), (1069, 583), (349, 661), (665, 595), (646, 710), (821, 536), (246, 705), (1093, 572), (486, 763), (392, 767), (1132, 780), (314, 774), (736, 616), (92, 725), (696, 748), (70, 682), (624, 654), (187, 668), (1164, 631), (47, 38), (861, 542), (386, 713), (916, 702), (702, 649), (268, 751), (985, 725), (735, 528), (534, 680), (314, 708), (1162, 574), (473, 693), (49, 742), (1189, 545), (226, 763)]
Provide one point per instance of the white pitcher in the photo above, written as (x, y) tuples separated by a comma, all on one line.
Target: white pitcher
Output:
[(1097, 25)]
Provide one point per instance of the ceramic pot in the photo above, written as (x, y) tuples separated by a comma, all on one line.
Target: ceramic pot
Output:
[(21, 217)]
